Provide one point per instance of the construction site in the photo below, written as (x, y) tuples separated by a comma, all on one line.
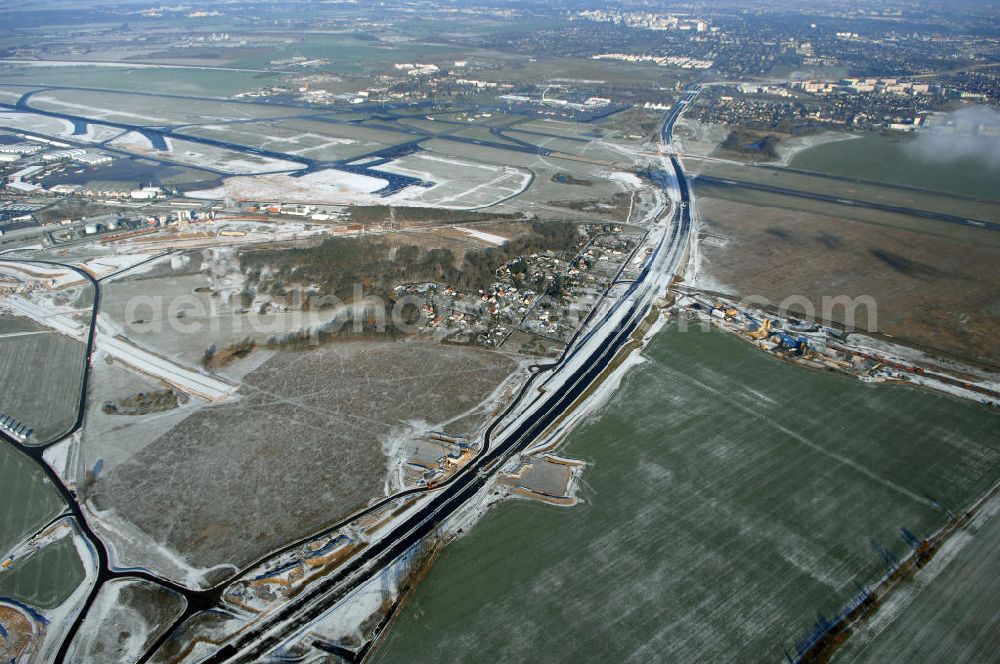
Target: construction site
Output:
[(827, 345)]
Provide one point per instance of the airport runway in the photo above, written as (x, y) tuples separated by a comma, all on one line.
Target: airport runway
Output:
[(853, 202)]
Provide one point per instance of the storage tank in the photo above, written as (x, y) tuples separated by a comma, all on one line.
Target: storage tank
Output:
[(90, 229)]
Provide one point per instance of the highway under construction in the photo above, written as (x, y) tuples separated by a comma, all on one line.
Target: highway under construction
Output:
[(542, 401), (550, 391)]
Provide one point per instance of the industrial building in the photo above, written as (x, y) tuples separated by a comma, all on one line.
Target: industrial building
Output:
[(12, 427)]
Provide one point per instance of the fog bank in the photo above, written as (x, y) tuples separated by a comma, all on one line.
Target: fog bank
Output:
[(968, 133)]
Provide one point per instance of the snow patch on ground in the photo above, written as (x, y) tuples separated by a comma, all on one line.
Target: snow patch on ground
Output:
[(459, 184), (189, 380), (37, 123), (133, 140), (64, 457), (326, 186), (102, 266), (789, 148), (108, 599), (191, 152), (396, 447), (131, 548), (98, 133), (630, 180), (485, 237), (698, 275)]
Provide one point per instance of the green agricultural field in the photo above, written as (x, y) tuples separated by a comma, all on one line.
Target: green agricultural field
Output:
[(27, 498), (729, 499), (949, 611), (196, 82), (47, 578), (150, 110), (887, 159), (41, 375), (16, 325)]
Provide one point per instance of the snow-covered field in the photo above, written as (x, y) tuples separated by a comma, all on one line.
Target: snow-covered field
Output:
[(327, 186), (65, 321), (57, 277), (96, 112), (630, 180), (188, 380), (43, 124), (102, 266), (132, 548), (97, 133), (57, 127), (133, 140), (207, 156), (154, 365), (36, 123), (125, 616), (459, 183)]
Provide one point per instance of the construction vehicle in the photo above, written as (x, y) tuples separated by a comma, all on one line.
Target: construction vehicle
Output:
[(797, 344), (762, 331)]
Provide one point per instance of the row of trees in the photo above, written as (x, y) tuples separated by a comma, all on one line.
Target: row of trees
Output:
[(380, 214)]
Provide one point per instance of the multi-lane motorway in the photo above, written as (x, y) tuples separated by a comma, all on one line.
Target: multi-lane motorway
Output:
[(549, 393)]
